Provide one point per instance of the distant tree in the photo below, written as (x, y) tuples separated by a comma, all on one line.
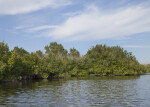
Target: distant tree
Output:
[(4, 52), (74, 54), (20, 51), (15, 65), (40, 54), (3, 67), (57, 62)]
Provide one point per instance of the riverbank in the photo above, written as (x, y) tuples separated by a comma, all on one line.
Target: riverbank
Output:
[(66, 77)]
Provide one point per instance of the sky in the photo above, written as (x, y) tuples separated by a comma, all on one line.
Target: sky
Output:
[(33, 24)]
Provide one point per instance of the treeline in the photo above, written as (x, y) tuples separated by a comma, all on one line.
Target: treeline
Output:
[(147, 66), (100, 60)]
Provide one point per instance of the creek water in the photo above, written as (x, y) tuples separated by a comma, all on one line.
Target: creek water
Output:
[(126, 91)]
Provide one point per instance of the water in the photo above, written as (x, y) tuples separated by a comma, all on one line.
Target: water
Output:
[(132, 91)]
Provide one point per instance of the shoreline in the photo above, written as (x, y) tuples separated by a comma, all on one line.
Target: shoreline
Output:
[(64, 77)]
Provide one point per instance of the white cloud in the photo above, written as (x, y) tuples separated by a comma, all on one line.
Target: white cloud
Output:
[(40, 28), (94, 24), (12, 7)]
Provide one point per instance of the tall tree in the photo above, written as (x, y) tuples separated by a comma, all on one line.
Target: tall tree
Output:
[(4, 52), (74, 54)]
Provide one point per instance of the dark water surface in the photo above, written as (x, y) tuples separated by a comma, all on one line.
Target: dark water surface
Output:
[(132, 91)]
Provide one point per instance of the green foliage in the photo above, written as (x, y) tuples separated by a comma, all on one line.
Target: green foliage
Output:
[(147, 67), (74, 54), (20, 51), (15, 65), (113, 61), (3, 67), (100, 60), (56, 50), (39, 54), (4, 52)]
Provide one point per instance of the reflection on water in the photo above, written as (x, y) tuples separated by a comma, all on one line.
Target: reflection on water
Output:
[(80, 92)]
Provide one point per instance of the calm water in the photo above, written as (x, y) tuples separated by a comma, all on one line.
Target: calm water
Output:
[(78, 92)]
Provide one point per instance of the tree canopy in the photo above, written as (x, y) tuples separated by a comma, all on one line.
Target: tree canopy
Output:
[(100, 60)]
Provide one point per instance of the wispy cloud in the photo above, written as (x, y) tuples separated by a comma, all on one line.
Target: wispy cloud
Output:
[(40, 28), (12, 7), (94, 24)]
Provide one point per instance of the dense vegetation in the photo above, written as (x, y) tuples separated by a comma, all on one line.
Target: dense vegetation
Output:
[(147, 66), (57, 62)]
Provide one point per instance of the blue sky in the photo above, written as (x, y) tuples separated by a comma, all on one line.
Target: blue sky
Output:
[(33, 24)]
